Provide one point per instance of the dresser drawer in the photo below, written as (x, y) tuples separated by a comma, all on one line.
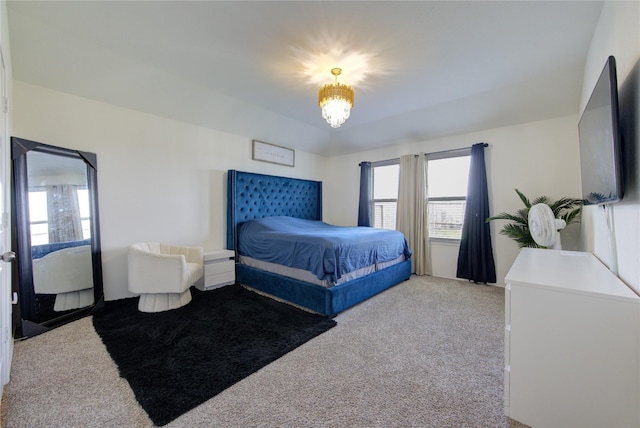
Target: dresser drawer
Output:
[(217, 267)]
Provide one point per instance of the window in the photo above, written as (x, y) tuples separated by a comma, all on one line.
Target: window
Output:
[(385, 194), (448, 173), (447, 180)]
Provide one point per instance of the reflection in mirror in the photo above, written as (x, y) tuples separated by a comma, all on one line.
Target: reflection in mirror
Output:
[(60, 276), (60, 237)]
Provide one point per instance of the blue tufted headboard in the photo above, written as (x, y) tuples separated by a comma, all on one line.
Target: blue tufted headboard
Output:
[(252, 196)]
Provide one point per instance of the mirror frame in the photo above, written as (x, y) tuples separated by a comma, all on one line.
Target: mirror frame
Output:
[(22, 237)]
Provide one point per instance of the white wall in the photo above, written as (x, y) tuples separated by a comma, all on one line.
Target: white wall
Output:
[(618, 34), (158, 179), (146, 163), (538, 158)]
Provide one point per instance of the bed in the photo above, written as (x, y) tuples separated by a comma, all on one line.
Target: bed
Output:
[(253, 196)]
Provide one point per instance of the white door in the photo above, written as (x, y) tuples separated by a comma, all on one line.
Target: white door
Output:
[(6, 335)]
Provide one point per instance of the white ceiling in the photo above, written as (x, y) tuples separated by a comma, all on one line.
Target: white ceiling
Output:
[(420, 69)]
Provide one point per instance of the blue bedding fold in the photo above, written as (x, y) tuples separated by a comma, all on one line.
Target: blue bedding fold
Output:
[(325, 250)]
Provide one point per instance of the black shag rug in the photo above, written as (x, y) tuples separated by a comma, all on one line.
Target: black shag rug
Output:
[(178, 359)]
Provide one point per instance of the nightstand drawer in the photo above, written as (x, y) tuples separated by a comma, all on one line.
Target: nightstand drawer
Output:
[(220, 278), (218, 267), (218, 255)]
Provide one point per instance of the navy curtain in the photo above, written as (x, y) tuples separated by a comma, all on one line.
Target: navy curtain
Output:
[(366, 195), (475, 259)]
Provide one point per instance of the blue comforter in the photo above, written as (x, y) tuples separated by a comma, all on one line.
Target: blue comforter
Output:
[(327, 251)]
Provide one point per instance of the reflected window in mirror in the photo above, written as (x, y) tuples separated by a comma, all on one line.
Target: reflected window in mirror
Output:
[(44, 215)]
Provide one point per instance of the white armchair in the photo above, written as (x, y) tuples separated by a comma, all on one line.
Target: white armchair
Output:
[(163, 273), (68, 274)]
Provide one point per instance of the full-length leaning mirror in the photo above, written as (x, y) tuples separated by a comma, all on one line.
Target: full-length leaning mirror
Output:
[(57, 235)]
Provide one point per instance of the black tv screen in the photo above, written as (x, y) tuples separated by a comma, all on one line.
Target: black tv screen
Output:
[(600, 147)]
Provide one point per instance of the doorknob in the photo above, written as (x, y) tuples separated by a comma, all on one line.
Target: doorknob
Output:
[(8, 257)]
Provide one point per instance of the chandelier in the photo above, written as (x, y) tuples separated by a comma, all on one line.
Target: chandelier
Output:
[(335, 101)]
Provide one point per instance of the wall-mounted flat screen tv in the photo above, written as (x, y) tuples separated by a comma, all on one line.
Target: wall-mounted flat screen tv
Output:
[(600, 142)]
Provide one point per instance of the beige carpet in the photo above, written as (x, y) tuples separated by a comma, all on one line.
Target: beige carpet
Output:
[(425, 353)]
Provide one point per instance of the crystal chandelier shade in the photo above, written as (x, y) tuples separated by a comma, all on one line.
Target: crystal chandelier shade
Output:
[(336, 101)]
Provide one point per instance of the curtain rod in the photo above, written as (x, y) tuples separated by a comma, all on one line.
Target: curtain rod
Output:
[(396, 160), (454, 150)]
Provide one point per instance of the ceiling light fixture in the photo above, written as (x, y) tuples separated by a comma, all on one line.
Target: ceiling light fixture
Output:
[(335, 101)]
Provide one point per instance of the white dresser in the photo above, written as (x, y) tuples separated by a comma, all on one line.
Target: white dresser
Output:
[(219, 269), (572, 343)]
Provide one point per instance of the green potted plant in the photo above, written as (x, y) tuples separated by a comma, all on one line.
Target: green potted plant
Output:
[(567, 209)]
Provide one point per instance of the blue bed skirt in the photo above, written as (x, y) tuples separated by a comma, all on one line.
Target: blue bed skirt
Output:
[(326, 301)]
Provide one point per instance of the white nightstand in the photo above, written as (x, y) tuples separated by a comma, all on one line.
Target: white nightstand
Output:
[(219, 269)]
